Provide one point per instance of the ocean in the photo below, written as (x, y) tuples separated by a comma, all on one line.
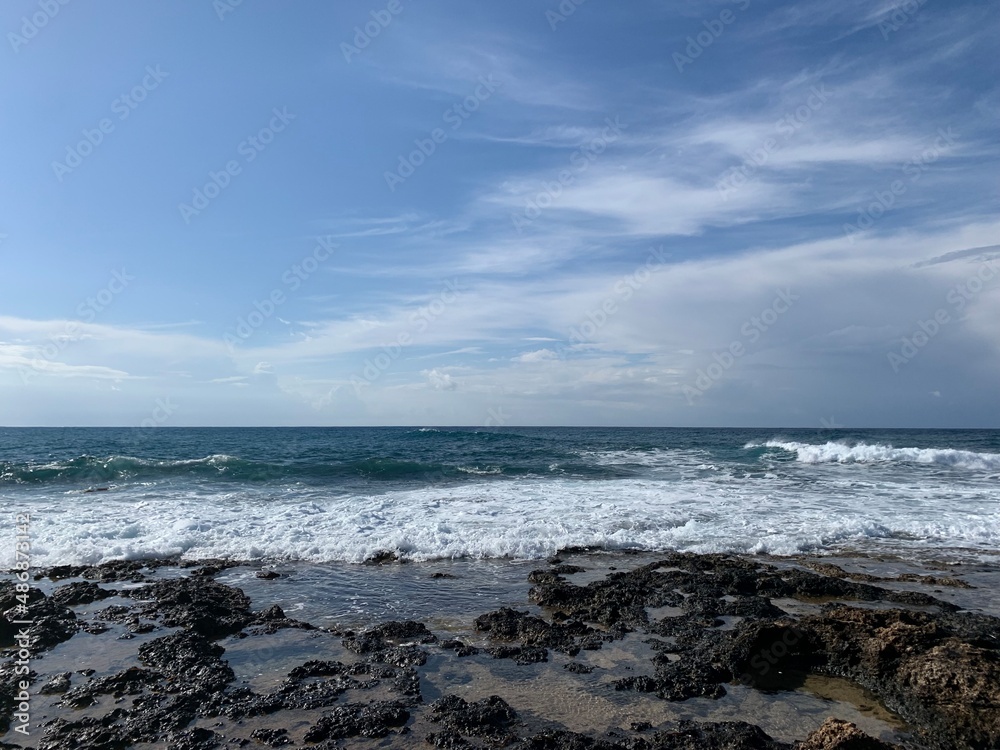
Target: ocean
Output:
[(325, 495)]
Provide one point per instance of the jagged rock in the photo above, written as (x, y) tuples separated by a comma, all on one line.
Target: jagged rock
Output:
[(835, 734)]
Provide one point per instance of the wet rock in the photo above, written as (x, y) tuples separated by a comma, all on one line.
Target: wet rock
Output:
[(131, 681), (114, 570), (105, 733), (578, 668), (271, 737), (460, 648), (58, 684), (377, 643), (835, 571), (358, 720), (312, 695), (198, 738), (273, 619), (116, 613), (405, 630), (724, 735), (621, 598), (912, 660), (520, 654), (206, 571), (511, 625), (437, 576), (448, 740), (317, 668), (189, 661), (564, 570), (203, 605), (51, 622), (152, 717), (382, 557), (758, 653), (242, 702), (841, 735), (490, 718), (8, 689), (267, 575), (80, 593)]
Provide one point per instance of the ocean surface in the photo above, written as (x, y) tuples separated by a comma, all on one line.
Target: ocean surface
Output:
[(345, 494)]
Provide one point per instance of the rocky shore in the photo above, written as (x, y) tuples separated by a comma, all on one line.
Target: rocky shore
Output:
[(156, 644)]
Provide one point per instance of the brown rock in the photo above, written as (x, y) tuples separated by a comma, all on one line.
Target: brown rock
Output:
[(835, 734)]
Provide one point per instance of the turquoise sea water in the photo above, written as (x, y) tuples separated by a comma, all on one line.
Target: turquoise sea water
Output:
[(344, 494)]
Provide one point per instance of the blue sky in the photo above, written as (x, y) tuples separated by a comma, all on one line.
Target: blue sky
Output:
[(646, 213)]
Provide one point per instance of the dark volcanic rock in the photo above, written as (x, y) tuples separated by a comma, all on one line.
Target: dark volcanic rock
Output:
[(623, 597), (80, 593), (52, 623), (490, 718), (382, 557), (520, 654), (92, 733), (194, 739), (190, 662), (271, 737), (201, 604), (378, 643), (460, 648), (939, 668), (58, 684), (682, 735), (357, 720), (510, 625), (127, 682)]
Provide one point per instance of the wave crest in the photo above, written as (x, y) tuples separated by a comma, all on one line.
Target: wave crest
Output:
[(870, 453)]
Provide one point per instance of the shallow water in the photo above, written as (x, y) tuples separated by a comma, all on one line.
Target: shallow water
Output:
[(544, 695)]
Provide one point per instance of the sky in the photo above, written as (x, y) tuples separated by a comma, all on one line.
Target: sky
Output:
[(653, 213)]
